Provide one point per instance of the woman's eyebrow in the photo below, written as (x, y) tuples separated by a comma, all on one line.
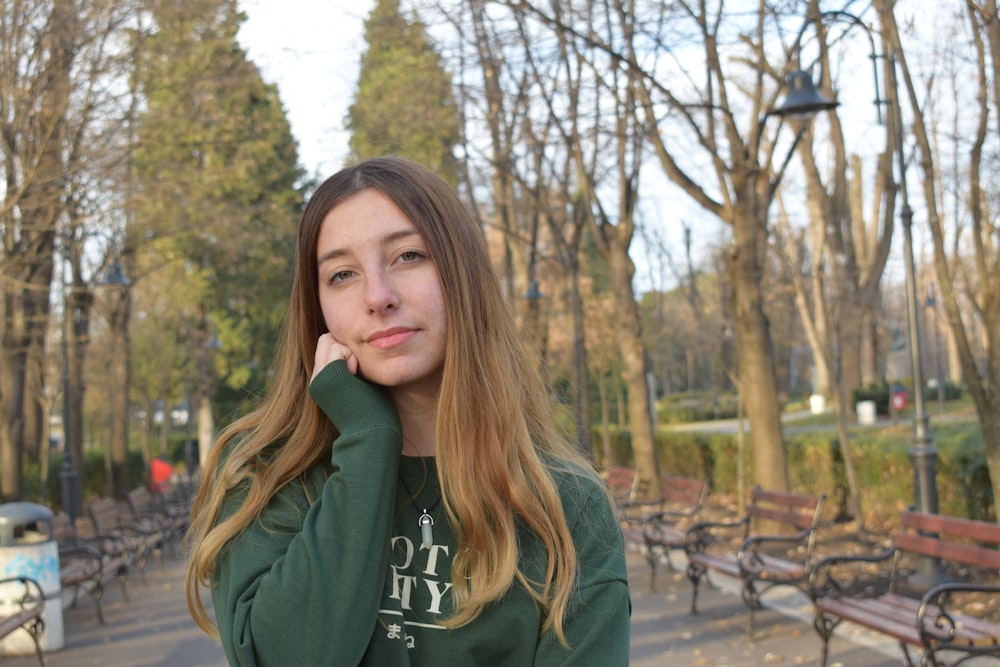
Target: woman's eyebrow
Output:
[(399, 235), (389, 238)]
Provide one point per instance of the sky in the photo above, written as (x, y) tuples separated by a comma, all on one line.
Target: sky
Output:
[(311, 49)]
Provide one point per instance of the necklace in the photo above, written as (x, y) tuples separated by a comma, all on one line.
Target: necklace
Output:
[(425, 521)]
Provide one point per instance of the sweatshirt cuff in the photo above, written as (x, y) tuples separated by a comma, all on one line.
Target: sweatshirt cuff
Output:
[(352, 404)]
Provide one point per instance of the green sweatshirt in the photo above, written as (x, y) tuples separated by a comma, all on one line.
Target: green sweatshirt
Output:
[(334, 572)]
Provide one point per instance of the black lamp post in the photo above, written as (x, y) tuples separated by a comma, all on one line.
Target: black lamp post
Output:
[(930, 302), (803, 101), (67, 471), (115, 278)]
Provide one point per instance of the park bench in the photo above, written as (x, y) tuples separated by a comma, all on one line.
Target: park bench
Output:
[(86, 564), (777, 538), (624, 484), (25, 603), (138, 537), (661, 526), (958, 561), (171, 517)]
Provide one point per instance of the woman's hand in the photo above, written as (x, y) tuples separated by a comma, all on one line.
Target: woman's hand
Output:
[(329, 350)]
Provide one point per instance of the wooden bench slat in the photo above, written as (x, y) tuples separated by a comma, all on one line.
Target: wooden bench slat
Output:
[(666, 536), (723, 563), (901, 602), (634, 533), (970, 626), (784, 569), (11, 623), (799, 521), (871, 616), (958, 552), (972, 529)]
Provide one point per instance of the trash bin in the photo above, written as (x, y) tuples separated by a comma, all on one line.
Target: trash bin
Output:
[(867, 413), (28, 550)]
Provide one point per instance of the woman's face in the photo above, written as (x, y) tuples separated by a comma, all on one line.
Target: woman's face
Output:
[(380, 292)]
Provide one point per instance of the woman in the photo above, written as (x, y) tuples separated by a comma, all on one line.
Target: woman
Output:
[(400, 497)]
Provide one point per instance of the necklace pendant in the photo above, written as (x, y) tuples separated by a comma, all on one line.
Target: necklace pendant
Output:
[(426, 522)]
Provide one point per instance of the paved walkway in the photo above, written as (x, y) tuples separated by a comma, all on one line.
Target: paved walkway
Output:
[(153, 629), (665, 633)]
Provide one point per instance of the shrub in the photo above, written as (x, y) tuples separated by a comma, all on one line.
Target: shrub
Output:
[(688, 408), (816, 465)]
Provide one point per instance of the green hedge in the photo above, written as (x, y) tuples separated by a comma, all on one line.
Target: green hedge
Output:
[(816, 465), (687, 408)]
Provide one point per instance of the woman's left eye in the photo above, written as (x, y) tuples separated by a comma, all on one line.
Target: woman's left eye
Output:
[(410, 255)]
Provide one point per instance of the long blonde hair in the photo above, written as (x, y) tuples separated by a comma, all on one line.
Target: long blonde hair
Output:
[(494, 432)]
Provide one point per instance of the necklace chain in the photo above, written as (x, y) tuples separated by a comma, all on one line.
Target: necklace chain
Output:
[(413, 497), (425, 521)]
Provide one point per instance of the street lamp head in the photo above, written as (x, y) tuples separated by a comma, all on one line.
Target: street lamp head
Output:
[(115, 276), (533, 293), (802, 100)]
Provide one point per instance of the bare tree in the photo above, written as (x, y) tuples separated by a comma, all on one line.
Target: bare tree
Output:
[(60, 116), (39, 48), (551, 164), (692, 116), (856, 246), (612, 130), (966, 252), (839, 301)]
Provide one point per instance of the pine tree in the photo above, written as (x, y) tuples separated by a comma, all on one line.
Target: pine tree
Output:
[(403, 103), (217, 169)]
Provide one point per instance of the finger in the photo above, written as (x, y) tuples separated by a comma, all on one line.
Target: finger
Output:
[(329, 350)]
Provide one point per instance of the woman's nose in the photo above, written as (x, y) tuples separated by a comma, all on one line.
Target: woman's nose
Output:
[(381, 293)]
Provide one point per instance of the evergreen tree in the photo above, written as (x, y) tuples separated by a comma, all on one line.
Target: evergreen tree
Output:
[(403, 103), (217, 172)]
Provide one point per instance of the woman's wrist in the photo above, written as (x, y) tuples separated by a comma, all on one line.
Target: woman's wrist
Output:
[(351, 403)]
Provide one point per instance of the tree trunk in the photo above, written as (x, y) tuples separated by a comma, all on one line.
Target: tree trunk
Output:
[(76, 328), (206, 428), (849, 335), (605, 424), (119, 391), (168, 425), (581, 395), (11, 406), (755, 359), (954, 359), (869, 350), (634, 369), (35, 440)]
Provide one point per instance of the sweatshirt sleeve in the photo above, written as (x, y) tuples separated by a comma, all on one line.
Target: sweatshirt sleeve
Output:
[(597, 618), (301, 585)]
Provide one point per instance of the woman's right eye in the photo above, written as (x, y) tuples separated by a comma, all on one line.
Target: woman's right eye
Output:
[(339, 277)]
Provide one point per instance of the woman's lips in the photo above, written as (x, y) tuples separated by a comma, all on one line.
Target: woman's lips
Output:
[(390, 338)]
